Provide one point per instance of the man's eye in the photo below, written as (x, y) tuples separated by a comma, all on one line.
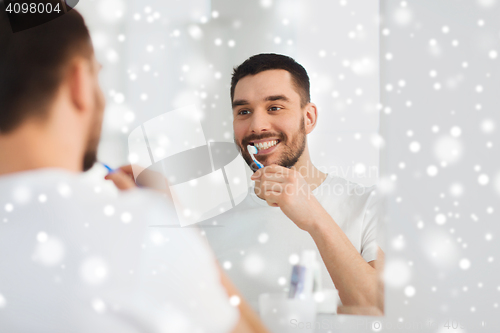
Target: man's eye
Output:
[(275, 108), (243, 112)]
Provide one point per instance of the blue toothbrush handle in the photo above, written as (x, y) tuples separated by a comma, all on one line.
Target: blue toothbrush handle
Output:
[(108, 168)]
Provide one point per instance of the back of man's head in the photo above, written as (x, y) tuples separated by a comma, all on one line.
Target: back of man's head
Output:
[(32, 65)]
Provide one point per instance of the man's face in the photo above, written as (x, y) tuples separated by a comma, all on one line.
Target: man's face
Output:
[(267, 113), (90, 157)]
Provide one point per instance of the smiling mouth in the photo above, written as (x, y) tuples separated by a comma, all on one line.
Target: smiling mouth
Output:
[(265, 146)]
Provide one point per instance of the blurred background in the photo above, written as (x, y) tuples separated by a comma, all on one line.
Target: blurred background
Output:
[(159, 56), (440, 95)]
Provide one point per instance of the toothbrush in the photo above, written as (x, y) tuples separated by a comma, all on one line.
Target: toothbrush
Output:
[(253, 150), (110, 170)]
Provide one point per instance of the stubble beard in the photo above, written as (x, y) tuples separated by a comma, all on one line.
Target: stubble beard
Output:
[(90, 155), (291, 151)]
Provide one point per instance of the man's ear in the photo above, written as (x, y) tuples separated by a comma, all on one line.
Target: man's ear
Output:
[(310, 117), (79, 82)]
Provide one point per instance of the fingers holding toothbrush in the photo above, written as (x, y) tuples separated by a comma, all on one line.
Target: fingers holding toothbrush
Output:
[(287, 189), (123, 177), (121, 180), (127, 169)]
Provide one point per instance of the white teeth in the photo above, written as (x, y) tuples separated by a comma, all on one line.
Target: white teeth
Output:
[(266, 145)]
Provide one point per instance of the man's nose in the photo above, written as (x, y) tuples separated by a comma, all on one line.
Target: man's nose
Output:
[(260, 122)]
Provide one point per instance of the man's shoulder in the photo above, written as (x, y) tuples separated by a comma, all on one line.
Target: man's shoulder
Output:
[(340, 188), (61, 191), (150, 206)]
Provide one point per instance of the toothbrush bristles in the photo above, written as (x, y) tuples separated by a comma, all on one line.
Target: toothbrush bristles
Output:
[(252, 149)]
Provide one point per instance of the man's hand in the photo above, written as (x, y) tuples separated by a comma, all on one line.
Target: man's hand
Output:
[(288, 190), (123, 178)]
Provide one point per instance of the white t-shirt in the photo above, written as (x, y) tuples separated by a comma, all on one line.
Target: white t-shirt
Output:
[(73, 259), (258, 244)]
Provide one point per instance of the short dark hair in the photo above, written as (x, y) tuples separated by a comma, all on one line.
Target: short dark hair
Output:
[(33, 63), (268, 61)]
